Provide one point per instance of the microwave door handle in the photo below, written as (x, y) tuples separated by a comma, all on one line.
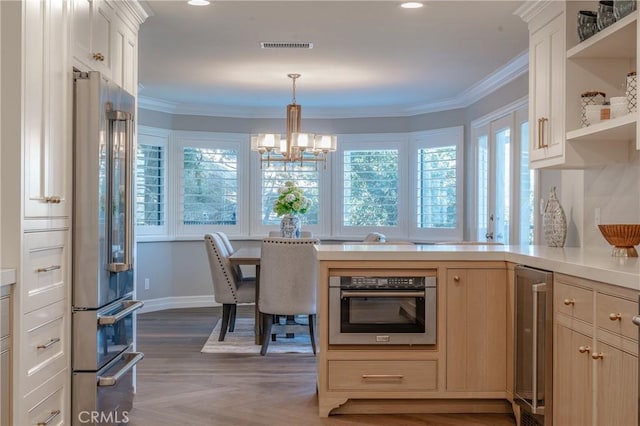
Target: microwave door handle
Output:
[(381, 293), (536, 289)]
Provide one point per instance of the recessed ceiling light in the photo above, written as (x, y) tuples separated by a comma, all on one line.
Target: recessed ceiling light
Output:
[(411, 5), (199, 2)]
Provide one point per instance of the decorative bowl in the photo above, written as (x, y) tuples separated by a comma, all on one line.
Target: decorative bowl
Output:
[(623, 238)]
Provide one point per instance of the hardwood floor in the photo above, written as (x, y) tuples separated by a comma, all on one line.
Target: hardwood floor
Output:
[(178, 385)]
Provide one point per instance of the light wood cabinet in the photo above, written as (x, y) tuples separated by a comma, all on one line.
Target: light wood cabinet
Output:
[(595, 353), (476, 330)]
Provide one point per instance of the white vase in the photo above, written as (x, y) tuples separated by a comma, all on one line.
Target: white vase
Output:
[(290, 226), (554, 222)]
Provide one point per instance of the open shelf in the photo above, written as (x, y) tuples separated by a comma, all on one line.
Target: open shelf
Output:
[(616, 41), (620, 128)]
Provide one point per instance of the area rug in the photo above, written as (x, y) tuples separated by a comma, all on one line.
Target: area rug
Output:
[(241, 341)]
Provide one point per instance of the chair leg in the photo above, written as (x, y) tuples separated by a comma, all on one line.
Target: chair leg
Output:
[(312, 334), (226, 313), (267, 321), (232, 318)]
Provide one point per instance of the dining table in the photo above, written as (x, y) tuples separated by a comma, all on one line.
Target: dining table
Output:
[(251, 256)]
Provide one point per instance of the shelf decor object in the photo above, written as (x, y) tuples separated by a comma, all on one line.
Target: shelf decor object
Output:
[(590, 98), (631, 91), (622, 8), (623, 238), (587, 24), (554, 221)]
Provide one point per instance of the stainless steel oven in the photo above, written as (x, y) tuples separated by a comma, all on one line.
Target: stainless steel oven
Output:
[(375, 310)]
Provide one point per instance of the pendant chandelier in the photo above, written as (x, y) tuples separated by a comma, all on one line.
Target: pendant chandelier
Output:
[(296, 143)]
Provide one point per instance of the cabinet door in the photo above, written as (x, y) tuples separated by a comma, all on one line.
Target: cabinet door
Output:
[(101, 35), (81, 30), (46, 111), (476, 329), (125, 57), (546, 91), (573, 389), (617, 384)]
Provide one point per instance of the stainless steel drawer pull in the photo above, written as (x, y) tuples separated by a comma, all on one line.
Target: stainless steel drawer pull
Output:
[(636, 320), (49, 343), (112, 319), (113, 380), (48, 420), (383, 376), (49, 268)]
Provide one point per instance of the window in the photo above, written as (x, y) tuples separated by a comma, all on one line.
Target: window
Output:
[(436, 160), (150, 186), (210, 186), (305, 177), (370, 188), (210, 196), (504, 184)]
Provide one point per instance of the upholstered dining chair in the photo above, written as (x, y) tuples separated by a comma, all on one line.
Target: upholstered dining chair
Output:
[(231, 250), (374, 237), (228, 289), (303, 234), (288, 280)]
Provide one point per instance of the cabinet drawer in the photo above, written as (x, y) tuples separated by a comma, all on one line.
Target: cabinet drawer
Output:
[(5, 388), (44, 348), (574, 301), (47, 405), (45, 268), (614, 314), (5, 316), (383, 375)]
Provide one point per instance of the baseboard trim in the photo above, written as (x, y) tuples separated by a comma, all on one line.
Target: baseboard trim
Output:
[(175, 302)]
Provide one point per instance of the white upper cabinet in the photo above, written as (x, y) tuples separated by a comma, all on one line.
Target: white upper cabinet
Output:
[(561, 69), (104, 38), (546, 91), (47, 108)]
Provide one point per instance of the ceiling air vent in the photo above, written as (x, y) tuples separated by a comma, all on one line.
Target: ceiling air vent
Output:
[(285, 45)]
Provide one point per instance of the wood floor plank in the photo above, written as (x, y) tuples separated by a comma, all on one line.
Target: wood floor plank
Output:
[(178, 385)]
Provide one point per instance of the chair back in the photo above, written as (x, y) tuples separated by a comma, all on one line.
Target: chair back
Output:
[(374, 237), (226, 242), (303, 234), (223, 275), (288, 276)]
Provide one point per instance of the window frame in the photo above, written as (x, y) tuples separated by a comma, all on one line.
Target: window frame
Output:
[(209, 140), (156, 137), (434, 139), (376, 141)]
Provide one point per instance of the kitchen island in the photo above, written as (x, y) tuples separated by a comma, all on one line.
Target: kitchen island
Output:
[(470, 367)]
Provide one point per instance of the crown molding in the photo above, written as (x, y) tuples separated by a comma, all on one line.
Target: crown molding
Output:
[(136, 10), (507, 73), (531, 8)]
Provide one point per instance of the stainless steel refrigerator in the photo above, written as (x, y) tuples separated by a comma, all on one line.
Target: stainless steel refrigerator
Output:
[(103, 324)]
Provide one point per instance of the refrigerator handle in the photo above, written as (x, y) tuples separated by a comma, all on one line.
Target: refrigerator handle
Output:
[(127, 118), (536, 289)]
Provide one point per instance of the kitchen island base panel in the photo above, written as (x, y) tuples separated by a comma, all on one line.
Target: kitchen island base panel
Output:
[(341, 405)]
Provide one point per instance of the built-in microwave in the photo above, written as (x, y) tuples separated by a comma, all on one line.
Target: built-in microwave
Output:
[(383, 310)]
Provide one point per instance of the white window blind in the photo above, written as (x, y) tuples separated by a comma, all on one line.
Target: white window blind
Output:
[(210, 186), (305, 177), (437, 187), (150, 185), (370, 187)]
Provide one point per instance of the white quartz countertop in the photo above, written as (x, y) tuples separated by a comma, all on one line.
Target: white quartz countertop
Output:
[(7, 276), (591, 263)]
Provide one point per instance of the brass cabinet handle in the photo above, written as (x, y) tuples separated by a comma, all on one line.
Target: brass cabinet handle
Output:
[(49, 343), (52, 415), (615, 317), (49, 268), (98, 57), (583, 349), (541, 143), (569, 302), (456, 278), (53, 199), (597, 355)]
